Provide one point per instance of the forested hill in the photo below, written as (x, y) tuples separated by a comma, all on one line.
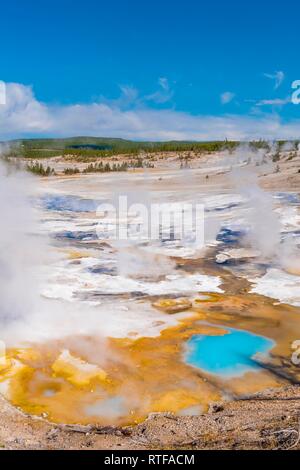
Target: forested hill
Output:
[(102, 146)]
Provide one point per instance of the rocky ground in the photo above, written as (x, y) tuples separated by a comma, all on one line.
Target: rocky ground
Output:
[(281, 174), (269, 420)]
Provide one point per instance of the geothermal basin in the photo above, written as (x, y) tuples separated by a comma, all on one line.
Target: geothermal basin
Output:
[(109, 331)]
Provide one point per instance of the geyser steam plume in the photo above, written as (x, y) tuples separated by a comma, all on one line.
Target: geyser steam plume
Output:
[(22, 252), (263, 221)]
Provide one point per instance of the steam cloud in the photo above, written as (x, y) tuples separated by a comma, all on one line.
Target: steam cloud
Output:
[(20, 252)]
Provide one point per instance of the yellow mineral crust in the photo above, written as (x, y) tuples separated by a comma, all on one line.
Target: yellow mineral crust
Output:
[(13, 381), (75, 254), (173, 305), (76, 371), (174, 401), (145, 374)]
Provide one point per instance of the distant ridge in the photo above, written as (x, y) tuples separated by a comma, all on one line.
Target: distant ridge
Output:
[(107, 146)]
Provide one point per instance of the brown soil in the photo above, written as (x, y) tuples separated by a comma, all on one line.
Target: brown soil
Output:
[(268, 420)]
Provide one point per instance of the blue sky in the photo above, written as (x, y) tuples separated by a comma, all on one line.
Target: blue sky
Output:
[(191, 58)]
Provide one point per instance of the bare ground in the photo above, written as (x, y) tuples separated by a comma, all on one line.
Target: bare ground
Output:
[(268, 420)]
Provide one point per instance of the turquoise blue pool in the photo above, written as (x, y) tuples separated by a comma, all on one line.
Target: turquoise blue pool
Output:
[(229, 355)]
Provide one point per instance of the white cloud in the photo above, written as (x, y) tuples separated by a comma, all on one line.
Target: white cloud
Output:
[(226, 97), (2, 92), (278, 78), (129, 93), (274, 102), (163, 94), (23, 115), (163, 81)]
